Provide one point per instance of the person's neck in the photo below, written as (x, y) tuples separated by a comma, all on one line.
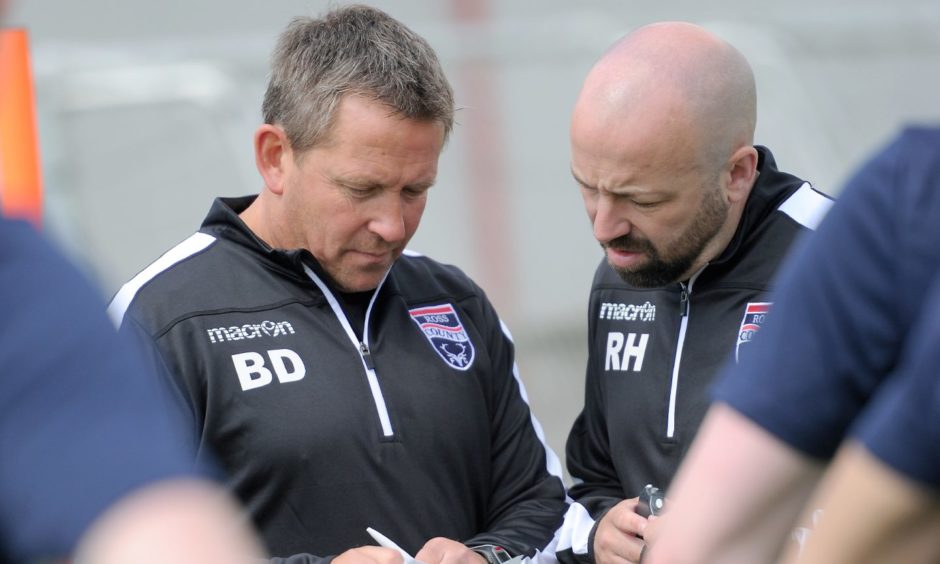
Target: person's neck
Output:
[(255, 216)]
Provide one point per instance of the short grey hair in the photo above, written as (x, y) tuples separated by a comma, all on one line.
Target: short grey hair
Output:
[(352, 50)]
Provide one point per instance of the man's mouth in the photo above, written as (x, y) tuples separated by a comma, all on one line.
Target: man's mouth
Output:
[(625, 259)]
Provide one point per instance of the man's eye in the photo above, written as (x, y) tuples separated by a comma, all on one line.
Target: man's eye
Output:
[(646, 205), (358, 191), (414, 192)]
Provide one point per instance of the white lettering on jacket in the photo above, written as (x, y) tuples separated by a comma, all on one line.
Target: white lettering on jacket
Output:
[(622, 348), (628, 312), (250, 331), (252, 373)]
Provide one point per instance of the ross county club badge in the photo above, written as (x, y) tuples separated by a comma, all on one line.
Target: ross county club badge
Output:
[(446, 334), (755, 314)]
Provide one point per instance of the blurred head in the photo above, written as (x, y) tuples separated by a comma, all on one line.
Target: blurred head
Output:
[(662, 148), (357, 113)]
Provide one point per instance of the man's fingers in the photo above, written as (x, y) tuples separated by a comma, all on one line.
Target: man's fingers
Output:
[(615, 541), (618, 550), (446, 551), (369, 555), (625, 519)]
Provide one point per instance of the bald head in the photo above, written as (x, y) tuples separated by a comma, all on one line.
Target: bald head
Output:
[(662, 148), (673, 77)]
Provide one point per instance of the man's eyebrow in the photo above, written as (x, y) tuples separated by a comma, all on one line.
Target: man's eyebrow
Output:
[(367, 183), (420, 185), (357, 182), (579, 180), (621, 191)]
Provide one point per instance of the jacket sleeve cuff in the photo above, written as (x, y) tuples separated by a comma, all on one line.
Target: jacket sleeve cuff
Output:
[(590, 547)]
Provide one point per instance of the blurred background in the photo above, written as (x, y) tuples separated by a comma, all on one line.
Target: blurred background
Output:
[(147, 109)]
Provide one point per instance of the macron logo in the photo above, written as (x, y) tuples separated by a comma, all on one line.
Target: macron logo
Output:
[(628, 312), (250, 331)]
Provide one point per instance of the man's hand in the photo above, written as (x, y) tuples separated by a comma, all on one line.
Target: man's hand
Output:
[(441, 550), (369, 555), (615, 540)]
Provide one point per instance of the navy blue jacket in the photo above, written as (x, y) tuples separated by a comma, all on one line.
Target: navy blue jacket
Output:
[(82, 421), (847, 302), (901, 425)]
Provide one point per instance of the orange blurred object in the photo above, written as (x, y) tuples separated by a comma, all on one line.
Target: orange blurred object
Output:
[(20, 177)]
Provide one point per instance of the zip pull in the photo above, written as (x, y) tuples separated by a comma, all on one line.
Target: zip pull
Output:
[(366, 356), (684, 300)]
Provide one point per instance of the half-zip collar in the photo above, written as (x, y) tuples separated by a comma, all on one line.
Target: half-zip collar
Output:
[(301, 264), (685, 300), (362, 347)]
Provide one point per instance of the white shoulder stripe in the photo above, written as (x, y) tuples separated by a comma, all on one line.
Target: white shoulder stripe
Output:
[(410, 253), (552, 463), (182, 251), (806, 206)]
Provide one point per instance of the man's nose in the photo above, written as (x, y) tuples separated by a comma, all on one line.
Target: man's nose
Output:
[(610, 221), (388, 221)]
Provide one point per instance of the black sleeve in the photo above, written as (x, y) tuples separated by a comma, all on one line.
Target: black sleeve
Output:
[(587, 451), (527, 500), (597, 487)]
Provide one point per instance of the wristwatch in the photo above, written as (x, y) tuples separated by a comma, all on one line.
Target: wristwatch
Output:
[(493, 554)]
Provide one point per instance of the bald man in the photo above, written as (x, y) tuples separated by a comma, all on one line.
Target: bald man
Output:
[(694, 220)]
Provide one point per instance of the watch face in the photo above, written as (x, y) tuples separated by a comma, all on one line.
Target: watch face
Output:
[(493, 554)]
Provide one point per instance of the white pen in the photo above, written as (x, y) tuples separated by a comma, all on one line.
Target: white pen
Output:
[(387, 543)]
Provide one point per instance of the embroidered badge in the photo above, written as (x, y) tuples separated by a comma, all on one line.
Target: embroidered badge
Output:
[(755, 314), (443, 329)]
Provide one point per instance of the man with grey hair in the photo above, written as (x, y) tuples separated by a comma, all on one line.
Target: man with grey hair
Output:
[(342, 382), (694, 220)]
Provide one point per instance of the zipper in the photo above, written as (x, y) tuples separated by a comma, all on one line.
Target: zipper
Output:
[(684, 308), (365, 354)]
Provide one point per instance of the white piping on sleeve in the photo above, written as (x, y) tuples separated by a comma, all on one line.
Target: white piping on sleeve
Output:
[(552, 463), (574, 533), (185, 249)]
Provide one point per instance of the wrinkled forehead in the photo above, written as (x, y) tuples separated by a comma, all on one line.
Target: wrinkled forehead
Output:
[(652, 135)]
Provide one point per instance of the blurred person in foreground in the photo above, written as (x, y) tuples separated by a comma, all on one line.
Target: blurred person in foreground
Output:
[(850, 301), (91, 465), (342, 381), (88, 452), (880, 499), (694, 220)]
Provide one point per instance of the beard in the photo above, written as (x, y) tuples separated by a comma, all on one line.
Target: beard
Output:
[(670, 264)]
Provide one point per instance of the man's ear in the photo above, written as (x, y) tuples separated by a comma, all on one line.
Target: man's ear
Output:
[(272, 153), (743, 173)]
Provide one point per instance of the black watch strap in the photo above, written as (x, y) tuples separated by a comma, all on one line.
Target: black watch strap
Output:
[(493, 554)]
